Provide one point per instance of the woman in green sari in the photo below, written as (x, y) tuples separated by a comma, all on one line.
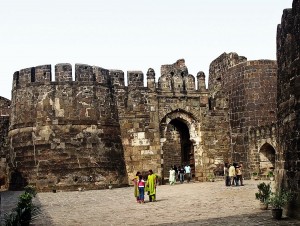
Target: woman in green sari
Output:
[(135, 186), (151, 186)]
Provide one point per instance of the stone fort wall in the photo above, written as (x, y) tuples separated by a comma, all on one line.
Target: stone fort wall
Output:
[(288, 103), (248, 89), (95, 130), (65, 133), (4, 124)]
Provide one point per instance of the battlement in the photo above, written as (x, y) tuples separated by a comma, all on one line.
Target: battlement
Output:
[(177, 68), (135, 79), (63, 74), (84, 73), (4, 106)]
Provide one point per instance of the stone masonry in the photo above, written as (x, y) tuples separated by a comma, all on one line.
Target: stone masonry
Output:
[(95, 130), (288, 103), (248, 90), (4, 122)]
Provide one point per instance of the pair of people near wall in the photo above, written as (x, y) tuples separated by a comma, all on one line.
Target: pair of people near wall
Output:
[(233, 174), (140, 187)]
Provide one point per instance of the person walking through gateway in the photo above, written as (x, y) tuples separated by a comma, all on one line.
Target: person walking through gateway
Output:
[(181, 174), (151, 186), (176, 172), (187, 170), (172, 176)]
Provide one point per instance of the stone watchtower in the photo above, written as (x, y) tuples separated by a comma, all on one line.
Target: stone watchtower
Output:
[(65, 133)]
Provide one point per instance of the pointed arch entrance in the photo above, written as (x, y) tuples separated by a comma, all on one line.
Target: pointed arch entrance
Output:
[(178, 140), (266, 159)]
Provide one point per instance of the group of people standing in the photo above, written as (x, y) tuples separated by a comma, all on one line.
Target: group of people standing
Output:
[(233, 174), (141, 186), (181, 172)]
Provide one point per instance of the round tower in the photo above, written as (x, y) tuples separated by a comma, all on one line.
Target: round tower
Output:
[(65, 134)]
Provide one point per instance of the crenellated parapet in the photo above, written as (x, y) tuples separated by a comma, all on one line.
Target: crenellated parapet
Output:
[(151, 79), (135, 79), (175, 78), (4, 106), (117, 78), (201, 81), (63, 74), (74, 122)]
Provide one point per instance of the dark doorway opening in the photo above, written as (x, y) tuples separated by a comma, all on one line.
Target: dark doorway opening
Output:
[(177, 149), (266, 159)]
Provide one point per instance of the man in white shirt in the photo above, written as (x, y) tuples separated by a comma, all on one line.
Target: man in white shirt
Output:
[(187, 169), (232, 174)]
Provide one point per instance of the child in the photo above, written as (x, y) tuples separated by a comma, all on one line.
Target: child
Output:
[(141, 185)]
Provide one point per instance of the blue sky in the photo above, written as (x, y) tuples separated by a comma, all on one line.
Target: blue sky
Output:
[(134, 34)]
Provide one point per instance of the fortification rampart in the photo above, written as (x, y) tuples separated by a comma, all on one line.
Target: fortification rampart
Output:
[(97, 125), (4, 124), (63, 74), (4, 106), (288, 103), (248, 90), (78, 121), (252, 91), (176, 79), (74, 122), (219, 67)]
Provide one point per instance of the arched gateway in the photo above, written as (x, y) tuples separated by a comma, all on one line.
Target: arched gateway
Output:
[(179, 139)]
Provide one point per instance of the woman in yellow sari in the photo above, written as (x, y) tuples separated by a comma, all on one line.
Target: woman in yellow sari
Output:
[(135, 186), (151, 186)]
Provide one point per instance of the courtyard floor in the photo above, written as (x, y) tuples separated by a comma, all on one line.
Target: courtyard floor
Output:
[(208, 203)]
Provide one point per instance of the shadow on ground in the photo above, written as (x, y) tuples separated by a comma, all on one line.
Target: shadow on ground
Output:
[(264, 219)]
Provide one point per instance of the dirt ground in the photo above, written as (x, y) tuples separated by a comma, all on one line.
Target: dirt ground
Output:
[(208, 203)]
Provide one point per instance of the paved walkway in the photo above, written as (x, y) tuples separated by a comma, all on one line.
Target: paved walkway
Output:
[(209, 203)]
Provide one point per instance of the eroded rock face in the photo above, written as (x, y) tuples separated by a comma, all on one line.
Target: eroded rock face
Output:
[(288, 102)]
